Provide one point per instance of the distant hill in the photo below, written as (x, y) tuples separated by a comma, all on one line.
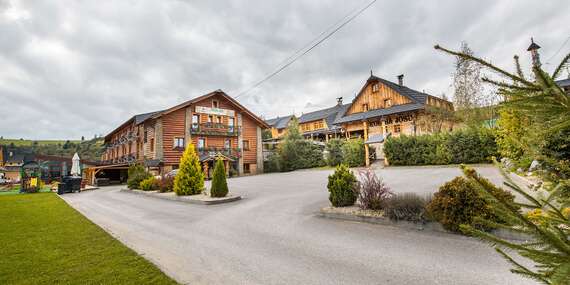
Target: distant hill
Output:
[(87, 149), (22, 142)]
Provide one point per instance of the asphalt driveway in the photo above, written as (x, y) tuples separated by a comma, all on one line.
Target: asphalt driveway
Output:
[(272, 236)]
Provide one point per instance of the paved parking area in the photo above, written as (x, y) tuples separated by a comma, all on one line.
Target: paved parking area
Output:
[(273, 236)]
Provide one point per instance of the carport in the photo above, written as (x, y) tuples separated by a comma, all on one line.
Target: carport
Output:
[(107, 174)]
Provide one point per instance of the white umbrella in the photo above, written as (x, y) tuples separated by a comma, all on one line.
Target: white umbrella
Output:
[(75, 171)]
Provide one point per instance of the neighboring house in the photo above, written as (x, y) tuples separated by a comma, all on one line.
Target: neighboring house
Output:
[(319, 125), (384, 108), (215, 123), (564, 84), (12, 162), (278, 126)]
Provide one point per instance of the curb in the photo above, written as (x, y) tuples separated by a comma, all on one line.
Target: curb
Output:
[(428, 226), (184, 199)]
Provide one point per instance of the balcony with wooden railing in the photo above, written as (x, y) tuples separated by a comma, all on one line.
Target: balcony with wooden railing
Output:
[(212, 151), (214, 129)]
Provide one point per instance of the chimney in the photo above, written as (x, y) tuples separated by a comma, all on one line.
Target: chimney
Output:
[(339, 101), (533, 48), (401, 80)]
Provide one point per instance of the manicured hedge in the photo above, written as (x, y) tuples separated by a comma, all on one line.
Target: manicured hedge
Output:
[(463, 146)]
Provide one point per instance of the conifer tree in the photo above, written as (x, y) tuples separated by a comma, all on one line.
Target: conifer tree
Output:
[(190, 179), (219, 184), (546, 222)]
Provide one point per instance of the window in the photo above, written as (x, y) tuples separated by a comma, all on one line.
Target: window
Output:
[(230, 124), (195, 121), (215, 104), (145, 135), (375, 87), (219, 119), (387, 103), (365, 107), (246, 168), (152, 144), (245, 145), (201, 143), (210, 118), (397, 129), (178, 143), (228, 143)]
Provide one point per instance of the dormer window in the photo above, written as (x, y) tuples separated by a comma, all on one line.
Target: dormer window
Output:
[(215, 104), (375, 87)]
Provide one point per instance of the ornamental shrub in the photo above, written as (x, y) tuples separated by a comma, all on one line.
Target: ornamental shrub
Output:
[(335, 155), (373, 192), (458, 202), (190, 179), (166, 184), (474, 145), (136, 174), (406, 207), (273, 163), (149, 184), (219, 186), (353, 153), (295, 152), (343, 187)]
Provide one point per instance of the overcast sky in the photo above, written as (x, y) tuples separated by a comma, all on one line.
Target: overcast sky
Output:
[(73, 68)]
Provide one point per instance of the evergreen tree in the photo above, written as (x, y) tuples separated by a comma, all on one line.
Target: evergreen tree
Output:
[(343, 187), (219, 184), (545, 221), (289, 150), (190, 179)]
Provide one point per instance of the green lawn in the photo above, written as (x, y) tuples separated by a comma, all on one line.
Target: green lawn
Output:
[(44, 241)]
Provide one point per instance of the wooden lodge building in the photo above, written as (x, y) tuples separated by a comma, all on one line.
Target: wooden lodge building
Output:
[(215, 123), (320, 125), (278, 126)]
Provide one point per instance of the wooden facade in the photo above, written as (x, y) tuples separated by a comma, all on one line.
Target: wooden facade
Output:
[(215, 123), (383, 108)]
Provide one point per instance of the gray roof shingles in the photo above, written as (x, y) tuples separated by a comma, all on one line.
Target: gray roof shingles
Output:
[(330, 114), (563, 82), (279, 122), (380, 112)]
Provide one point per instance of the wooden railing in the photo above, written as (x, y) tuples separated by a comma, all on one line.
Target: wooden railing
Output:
[(214, 129)]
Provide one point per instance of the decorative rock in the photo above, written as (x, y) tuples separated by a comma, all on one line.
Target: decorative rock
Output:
[(534, 165)]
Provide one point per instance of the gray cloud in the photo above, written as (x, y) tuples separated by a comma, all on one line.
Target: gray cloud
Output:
[(83, 67)]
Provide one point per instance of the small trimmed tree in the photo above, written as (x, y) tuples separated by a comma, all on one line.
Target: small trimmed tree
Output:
[(343, 187), (190, 179), (219, 184)]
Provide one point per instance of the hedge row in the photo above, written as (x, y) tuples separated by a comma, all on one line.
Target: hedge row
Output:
[(463, 146)]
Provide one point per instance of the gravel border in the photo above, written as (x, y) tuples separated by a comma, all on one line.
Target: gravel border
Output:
[(356, 214), (199, 199)]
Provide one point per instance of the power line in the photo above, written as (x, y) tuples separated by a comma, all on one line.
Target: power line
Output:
[(295, 58), (556, 53)]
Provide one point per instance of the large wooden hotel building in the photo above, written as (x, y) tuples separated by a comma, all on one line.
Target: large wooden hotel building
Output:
[(215, 123)]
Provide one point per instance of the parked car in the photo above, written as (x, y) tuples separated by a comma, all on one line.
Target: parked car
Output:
[(5, 180), (172, 173)]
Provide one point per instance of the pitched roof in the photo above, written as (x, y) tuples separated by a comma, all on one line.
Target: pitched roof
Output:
[(329, 114), (279, 122), (380, 112), (140, 118), (414, 95), (205, 96), (563, 82)]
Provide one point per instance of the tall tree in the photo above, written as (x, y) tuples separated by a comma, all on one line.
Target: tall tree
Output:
[(466, 81)]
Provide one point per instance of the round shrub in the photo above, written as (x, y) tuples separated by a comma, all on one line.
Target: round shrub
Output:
[(406, 207), (219, 184), (136, 174), (343, 187), (458, 202), (149, 184)]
